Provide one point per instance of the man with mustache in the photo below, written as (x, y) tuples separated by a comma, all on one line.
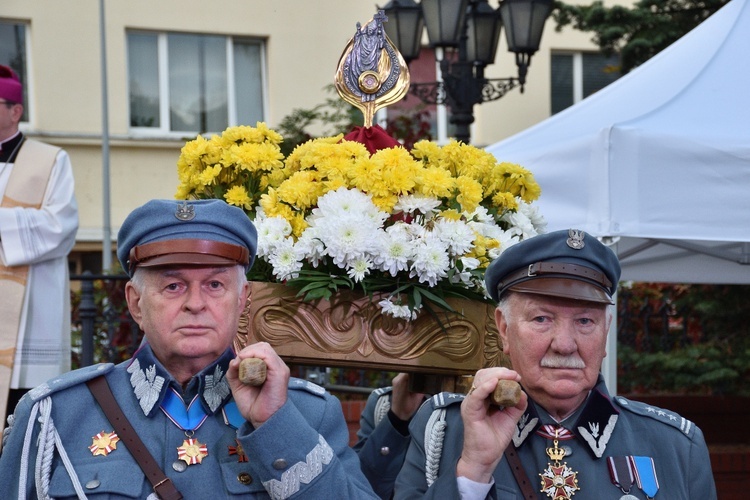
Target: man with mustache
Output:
[(567, 436)]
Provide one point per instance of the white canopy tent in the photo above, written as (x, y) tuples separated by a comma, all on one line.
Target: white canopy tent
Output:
[(658, 162)]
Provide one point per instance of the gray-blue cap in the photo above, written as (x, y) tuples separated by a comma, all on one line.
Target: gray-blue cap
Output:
[(565, 263), (195, 232)]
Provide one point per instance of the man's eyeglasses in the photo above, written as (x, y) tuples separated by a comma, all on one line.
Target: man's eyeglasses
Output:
[(8, 104)]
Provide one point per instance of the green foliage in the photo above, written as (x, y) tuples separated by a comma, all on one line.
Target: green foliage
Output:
[(703, 368), (684, 339), (334, 116), (636, 33)]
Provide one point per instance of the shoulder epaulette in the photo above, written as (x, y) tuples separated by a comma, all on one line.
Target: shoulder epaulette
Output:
[(667, 417), (380, 391), (307, 386), (445, 399), (69, 379)]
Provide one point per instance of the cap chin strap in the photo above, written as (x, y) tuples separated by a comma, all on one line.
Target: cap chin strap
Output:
[(231, 253)]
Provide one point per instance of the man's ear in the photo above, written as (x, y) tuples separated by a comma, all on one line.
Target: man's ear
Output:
[(243, 299), (16, 112), (502, 328), (133, 299)]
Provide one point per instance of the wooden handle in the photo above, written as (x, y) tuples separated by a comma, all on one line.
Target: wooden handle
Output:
[(252, 371), (506, 393)]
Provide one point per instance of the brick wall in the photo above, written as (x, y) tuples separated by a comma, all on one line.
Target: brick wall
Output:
[(352, 411)]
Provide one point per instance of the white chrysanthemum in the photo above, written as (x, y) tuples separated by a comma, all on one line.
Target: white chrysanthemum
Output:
[(488, 230), (310, 247), (347, 223), (481, 215), (413, 203), (271, 230), (343, 202), (285, 260), (465, 277), (347, 239), (431, 261), (394, 252), (359, 269), (398, 311), (456, 234), (520, 222), (506, 239), (536, 218)]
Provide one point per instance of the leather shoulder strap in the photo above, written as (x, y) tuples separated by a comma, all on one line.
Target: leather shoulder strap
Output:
[(163, 486), (519, 473)]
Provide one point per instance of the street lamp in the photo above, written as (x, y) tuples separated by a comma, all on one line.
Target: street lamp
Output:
[(472, 28)]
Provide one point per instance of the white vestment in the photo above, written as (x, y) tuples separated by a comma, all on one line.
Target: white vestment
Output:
[(42, 239)]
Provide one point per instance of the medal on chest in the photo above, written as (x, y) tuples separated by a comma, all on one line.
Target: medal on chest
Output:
[(192, 451), (559, 482), (188, 420), (628, 470), (103, 443)]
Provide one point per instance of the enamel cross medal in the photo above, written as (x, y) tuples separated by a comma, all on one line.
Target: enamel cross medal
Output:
[(559, 481)]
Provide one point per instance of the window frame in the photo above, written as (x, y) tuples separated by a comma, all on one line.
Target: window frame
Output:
[(577, 69), (26, 80), (162, 50)]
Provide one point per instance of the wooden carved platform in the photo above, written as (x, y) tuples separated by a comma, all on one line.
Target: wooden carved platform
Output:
[(350, 331)]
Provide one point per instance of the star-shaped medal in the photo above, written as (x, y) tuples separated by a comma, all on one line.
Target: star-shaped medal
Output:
[(103, 443), (192, 451)]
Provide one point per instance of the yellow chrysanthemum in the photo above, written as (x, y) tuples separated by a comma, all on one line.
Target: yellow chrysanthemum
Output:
[(469, 193), (504, 201), (367, 176), (300, 190), (299, 224), (209, 175), (427, 151), (385, 203), (436, 182), (450, 214), (237, 196)]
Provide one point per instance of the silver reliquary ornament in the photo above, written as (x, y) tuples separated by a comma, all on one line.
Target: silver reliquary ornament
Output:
[(371, 73)]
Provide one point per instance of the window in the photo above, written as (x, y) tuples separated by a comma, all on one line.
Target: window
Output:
[(13, 54), (577, 76), (194, 83)]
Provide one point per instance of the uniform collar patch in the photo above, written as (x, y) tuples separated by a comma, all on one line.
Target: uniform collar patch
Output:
[(150, 381), (596, 422), (593, 427)]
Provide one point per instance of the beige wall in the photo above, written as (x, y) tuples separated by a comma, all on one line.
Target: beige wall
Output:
[(304, 41)]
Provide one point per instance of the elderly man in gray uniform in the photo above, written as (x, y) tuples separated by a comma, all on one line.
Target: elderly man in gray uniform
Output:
[(566, 437), (204, 433)]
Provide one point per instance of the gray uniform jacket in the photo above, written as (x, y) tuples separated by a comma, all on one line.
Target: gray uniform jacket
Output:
[(380, 446), (300, 452), (604, 427)]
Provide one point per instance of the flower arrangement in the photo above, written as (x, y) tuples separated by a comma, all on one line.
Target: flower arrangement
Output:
[(419, 225)]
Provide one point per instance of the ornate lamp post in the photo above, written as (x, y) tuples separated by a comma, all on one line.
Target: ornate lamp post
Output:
[(472, 28)]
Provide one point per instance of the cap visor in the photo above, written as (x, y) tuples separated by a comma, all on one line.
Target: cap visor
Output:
[(188, 259), (566, 288)]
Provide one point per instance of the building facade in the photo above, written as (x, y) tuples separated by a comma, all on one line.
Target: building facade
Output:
[(175, 68)]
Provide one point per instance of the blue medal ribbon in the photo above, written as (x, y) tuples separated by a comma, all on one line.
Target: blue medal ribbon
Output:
[(645, 475), (187, 419), (232, 416)]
